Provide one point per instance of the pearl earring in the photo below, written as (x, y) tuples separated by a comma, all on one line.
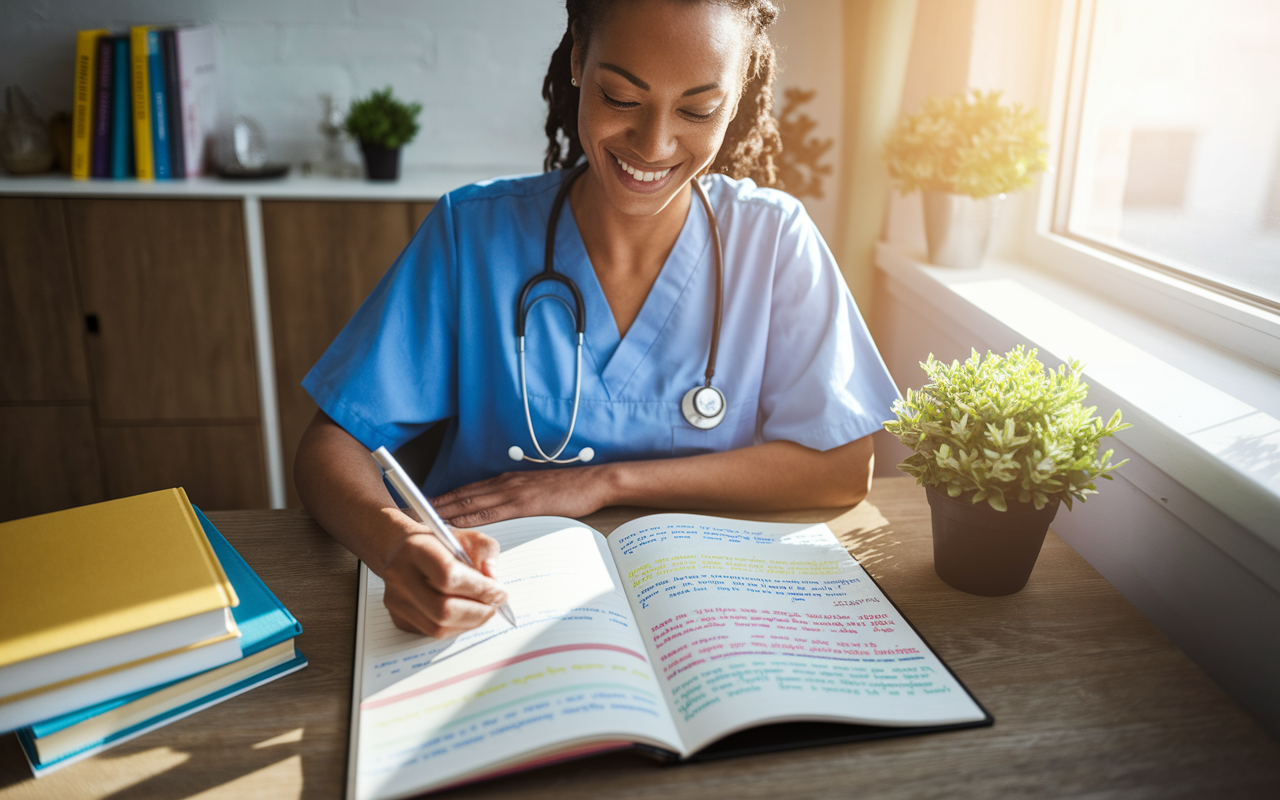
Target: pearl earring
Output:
[(573, 81)]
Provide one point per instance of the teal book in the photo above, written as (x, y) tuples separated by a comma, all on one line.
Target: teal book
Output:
[(121, 114), (267, 632), (160, 109)]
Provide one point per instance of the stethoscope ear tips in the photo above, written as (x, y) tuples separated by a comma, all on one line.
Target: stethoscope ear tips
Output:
[(586, 454), (515, 453)]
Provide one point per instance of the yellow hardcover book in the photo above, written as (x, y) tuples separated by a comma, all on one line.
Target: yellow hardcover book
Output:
[(144, 159), (82, 110), (86, 574)]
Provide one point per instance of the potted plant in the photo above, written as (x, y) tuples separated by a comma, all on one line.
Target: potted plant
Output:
[(965, 152), (998, 443), (382, 125)]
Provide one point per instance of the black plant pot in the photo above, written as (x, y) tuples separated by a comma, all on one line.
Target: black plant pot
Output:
[(979, 550), (380, 163)]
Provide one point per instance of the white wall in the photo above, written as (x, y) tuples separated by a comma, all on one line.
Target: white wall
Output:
[(476, 66)]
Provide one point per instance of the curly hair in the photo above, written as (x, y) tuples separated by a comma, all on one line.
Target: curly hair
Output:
[(752, 147)]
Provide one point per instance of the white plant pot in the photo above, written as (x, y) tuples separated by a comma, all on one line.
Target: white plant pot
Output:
[(958, 227)]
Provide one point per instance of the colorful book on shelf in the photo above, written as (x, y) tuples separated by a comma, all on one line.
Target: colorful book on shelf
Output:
[(104, 80), (159, 102), (173, 102), (82, 108), (139, 70), (108, 599), (198, 93), (121, 111), (687, 637), (268, 632)]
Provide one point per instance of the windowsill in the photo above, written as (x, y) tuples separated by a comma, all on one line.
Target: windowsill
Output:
[(1203, 417)]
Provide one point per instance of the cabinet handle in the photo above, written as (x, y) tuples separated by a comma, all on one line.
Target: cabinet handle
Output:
[(91, 323)]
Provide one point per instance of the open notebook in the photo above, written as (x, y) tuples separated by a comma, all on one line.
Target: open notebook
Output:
[(688, 636)]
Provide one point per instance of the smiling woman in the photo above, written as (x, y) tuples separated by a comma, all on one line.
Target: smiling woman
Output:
[(736, 295)]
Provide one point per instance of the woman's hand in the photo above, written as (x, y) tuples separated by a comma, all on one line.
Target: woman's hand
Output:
[(571, 492), (765, 477), (432, 593), (428, 590)]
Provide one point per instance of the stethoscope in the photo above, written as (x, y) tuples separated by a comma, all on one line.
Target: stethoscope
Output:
[(702, 406)]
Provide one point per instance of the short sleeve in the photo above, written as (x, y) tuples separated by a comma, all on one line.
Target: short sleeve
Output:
[(824, 382), (393, 371)]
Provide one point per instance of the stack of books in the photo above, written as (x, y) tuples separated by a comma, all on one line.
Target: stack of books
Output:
[(145, 103), (124, 616)]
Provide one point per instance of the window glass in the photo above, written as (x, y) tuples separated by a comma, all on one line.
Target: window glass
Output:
[(1177, 156)]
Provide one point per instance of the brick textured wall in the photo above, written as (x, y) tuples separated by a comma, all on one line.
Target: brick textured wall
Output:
[(475, 65)]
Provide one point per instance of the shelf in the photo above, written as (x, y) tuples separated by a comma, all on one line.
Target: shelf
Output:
[(416, 183)]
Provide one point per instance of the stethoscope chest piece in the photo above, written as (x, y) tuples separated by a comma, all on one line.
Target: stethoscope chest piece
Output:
[(703, 407)]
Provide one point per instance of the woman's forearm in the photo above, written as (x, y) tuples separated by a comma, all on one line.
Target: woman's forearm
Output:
[(770, 476), (341, 487)]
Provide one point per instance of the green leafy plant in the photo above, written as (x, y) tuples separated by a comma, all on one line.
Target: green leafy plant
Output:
[(967, 144), (1004, 429), (382, 120)]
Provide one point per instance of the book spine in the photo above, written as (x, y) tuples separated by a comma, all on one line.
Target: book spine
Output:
[(159, 107), (82, 109), (100, 163), (197, 73), (121, 113), (173, 98), (143, 158)]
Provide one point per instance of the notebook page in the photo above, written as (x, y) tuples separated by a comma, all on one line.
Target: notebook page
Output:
[(752, 621), (434, 711)]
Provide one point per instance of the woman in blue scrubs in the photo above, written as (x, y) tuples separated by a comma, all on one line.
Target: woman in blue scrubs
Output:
[(650, 94)]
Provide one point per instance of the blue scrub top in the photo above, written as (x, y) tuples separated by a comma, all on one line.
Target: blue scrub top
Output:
[(436, 339)]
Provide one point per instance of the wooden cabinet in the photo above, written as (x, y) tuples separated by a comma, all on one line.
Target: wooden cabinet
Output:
[(169, 286), (127, 342), (127, 362), (48, 459), (324, 258), (48, 448), (41, 343), (220, 466)]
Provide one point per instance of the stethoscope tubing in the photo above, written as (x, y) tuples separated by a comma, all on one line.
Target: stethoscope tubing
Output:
[(578, 311)]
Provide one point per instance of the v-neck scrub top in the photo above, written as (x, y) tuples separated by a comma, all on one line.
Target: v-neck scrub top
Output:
[(436, 339)]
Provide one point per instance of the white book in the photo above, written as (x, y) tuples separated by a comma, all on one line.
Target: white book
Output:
[(198, 79), (690, 636), (115, 651), (18, 710)]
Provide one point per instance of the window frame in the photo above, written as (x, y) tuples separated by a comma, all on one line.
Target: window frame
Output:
[(1232, 319)]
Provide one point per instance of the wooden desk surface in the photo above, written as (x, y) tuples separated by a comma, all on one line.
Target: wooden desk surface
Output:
[(1089, 698)]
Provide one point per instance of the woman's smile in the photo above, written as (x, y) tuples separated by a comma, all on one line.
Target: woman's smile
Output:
[(638, 179)]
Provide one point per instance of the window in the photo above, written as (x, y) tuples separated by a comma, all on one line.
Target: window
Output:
[(1171, 141)]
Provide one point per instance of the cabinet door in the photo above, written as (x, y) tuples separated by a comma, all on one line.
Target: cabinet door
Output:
[(219, 466), (41, 329), (48, 460), (323, 259), (168, 282)]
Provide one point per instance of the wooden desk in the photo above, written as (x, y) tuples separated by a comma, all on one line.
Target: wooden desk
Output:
[(1089, 698)]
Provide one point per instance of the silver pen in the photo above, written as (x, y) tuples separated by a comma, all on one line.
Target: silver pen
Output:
[(413, 496)]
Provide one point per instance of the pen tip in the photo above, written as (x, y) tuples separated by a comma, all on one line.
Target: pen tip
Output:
[(507, 614)]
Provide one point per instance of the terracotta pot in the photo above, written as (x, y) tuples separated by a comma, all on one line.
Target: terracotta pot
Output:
[(979, 550), (380, 164)]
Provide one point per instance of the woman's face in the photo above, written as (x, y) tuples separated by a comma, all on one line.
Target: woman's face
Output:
[(660, 82)]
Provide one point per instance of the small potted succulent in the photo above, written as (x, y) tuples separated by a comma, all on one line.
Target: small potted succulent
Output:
[(382, 124), (998, 443), (964, 153)]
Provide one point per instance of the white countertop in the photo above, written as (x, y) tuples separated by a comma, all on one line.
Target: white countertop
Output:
[(415, 183)]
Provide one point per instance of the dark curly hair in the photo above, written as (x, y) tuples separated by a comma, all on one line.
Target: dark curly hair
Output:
[(751, 147)]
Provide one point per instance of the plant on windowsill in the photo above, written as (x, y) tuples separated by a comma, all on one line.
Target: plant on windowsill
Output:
[(998, 442), (382, 124), (965, 152)]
